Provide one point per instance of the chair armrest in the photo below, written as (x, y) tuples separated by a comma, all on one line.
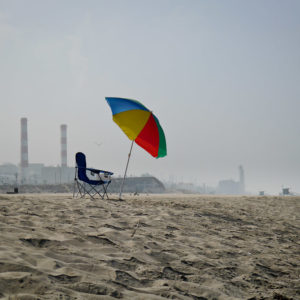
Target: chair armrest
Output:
[(93, 170), (99, 171)]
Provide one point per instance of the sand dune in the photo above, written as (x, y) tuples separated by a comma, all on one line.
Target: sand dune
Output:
[(149, 247)]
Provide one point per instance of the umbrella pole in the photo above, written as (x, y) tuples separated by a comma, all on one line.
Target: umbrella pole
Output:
[(129, 154)]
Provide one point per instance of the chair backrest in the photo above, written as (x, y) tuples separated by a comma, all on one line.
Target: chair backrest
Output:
[(81, 166)]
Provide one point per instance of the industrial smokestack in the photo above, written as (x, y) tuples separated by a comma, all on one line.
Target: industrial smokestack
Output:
[(24, 149), (242, 180), (63, 143)]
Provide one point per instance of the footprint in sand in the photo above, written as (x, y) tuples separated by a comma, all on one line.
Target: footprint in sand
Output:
[(40, 243), (63, 278), (100, 240), (128, 280), (95, 289)]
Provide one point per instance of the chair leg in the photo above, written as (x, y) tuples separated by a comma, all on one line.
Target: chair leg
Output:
[(80, 190), (84, 189), (92, 192), (105, 190), (74, 187)]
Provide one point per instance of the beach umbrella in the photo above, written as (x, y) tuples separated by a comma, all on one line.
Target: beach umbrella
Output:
[(140, 125)]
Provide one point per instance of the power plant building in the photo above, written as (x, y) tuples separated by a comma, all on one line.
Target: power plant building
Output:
[(231, 187), (37, 173)]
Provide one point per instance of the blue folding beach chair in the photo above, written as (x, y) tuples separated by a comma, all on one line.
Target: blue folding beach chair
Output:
[(84, 185)]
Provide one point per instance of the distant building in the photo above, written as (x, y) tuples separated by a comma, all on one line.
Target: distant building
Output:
[(145, 184), (36, 174), (57, 175), (286, 191), (8, 174), (228, 187), (9, 169), (231, 187)]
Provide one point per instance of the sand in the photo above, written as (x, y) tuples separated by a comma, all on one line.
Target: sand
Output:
[(149, 247)]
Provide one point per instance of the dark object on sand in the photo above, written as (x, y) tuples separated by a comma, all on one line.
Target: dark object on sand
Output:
[(16, 191)]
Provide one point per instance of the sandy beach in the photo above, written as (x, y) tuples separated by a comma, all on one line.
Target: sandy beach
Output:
[(149, 247)]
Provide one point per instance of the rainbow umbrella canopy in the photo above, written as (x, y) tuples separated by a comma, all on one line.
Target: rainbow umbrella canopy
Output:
[(139, 124)]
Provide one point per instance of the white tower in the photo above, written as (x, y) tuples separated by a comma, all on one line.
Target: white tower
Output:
[(24, 150), (63, 143), (242, 180)]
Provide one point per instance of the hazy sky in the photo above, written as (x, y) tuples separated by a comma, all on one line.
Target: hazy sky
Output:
[(223, 77)]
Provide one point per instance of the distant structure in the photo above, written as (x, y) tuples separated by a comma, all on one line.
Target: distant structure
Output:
[(242, 180), (231, 187), (37, 173), (228, 187), (63, 143), (24, 151), (8, 174), (286, 191), (145, 184)]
